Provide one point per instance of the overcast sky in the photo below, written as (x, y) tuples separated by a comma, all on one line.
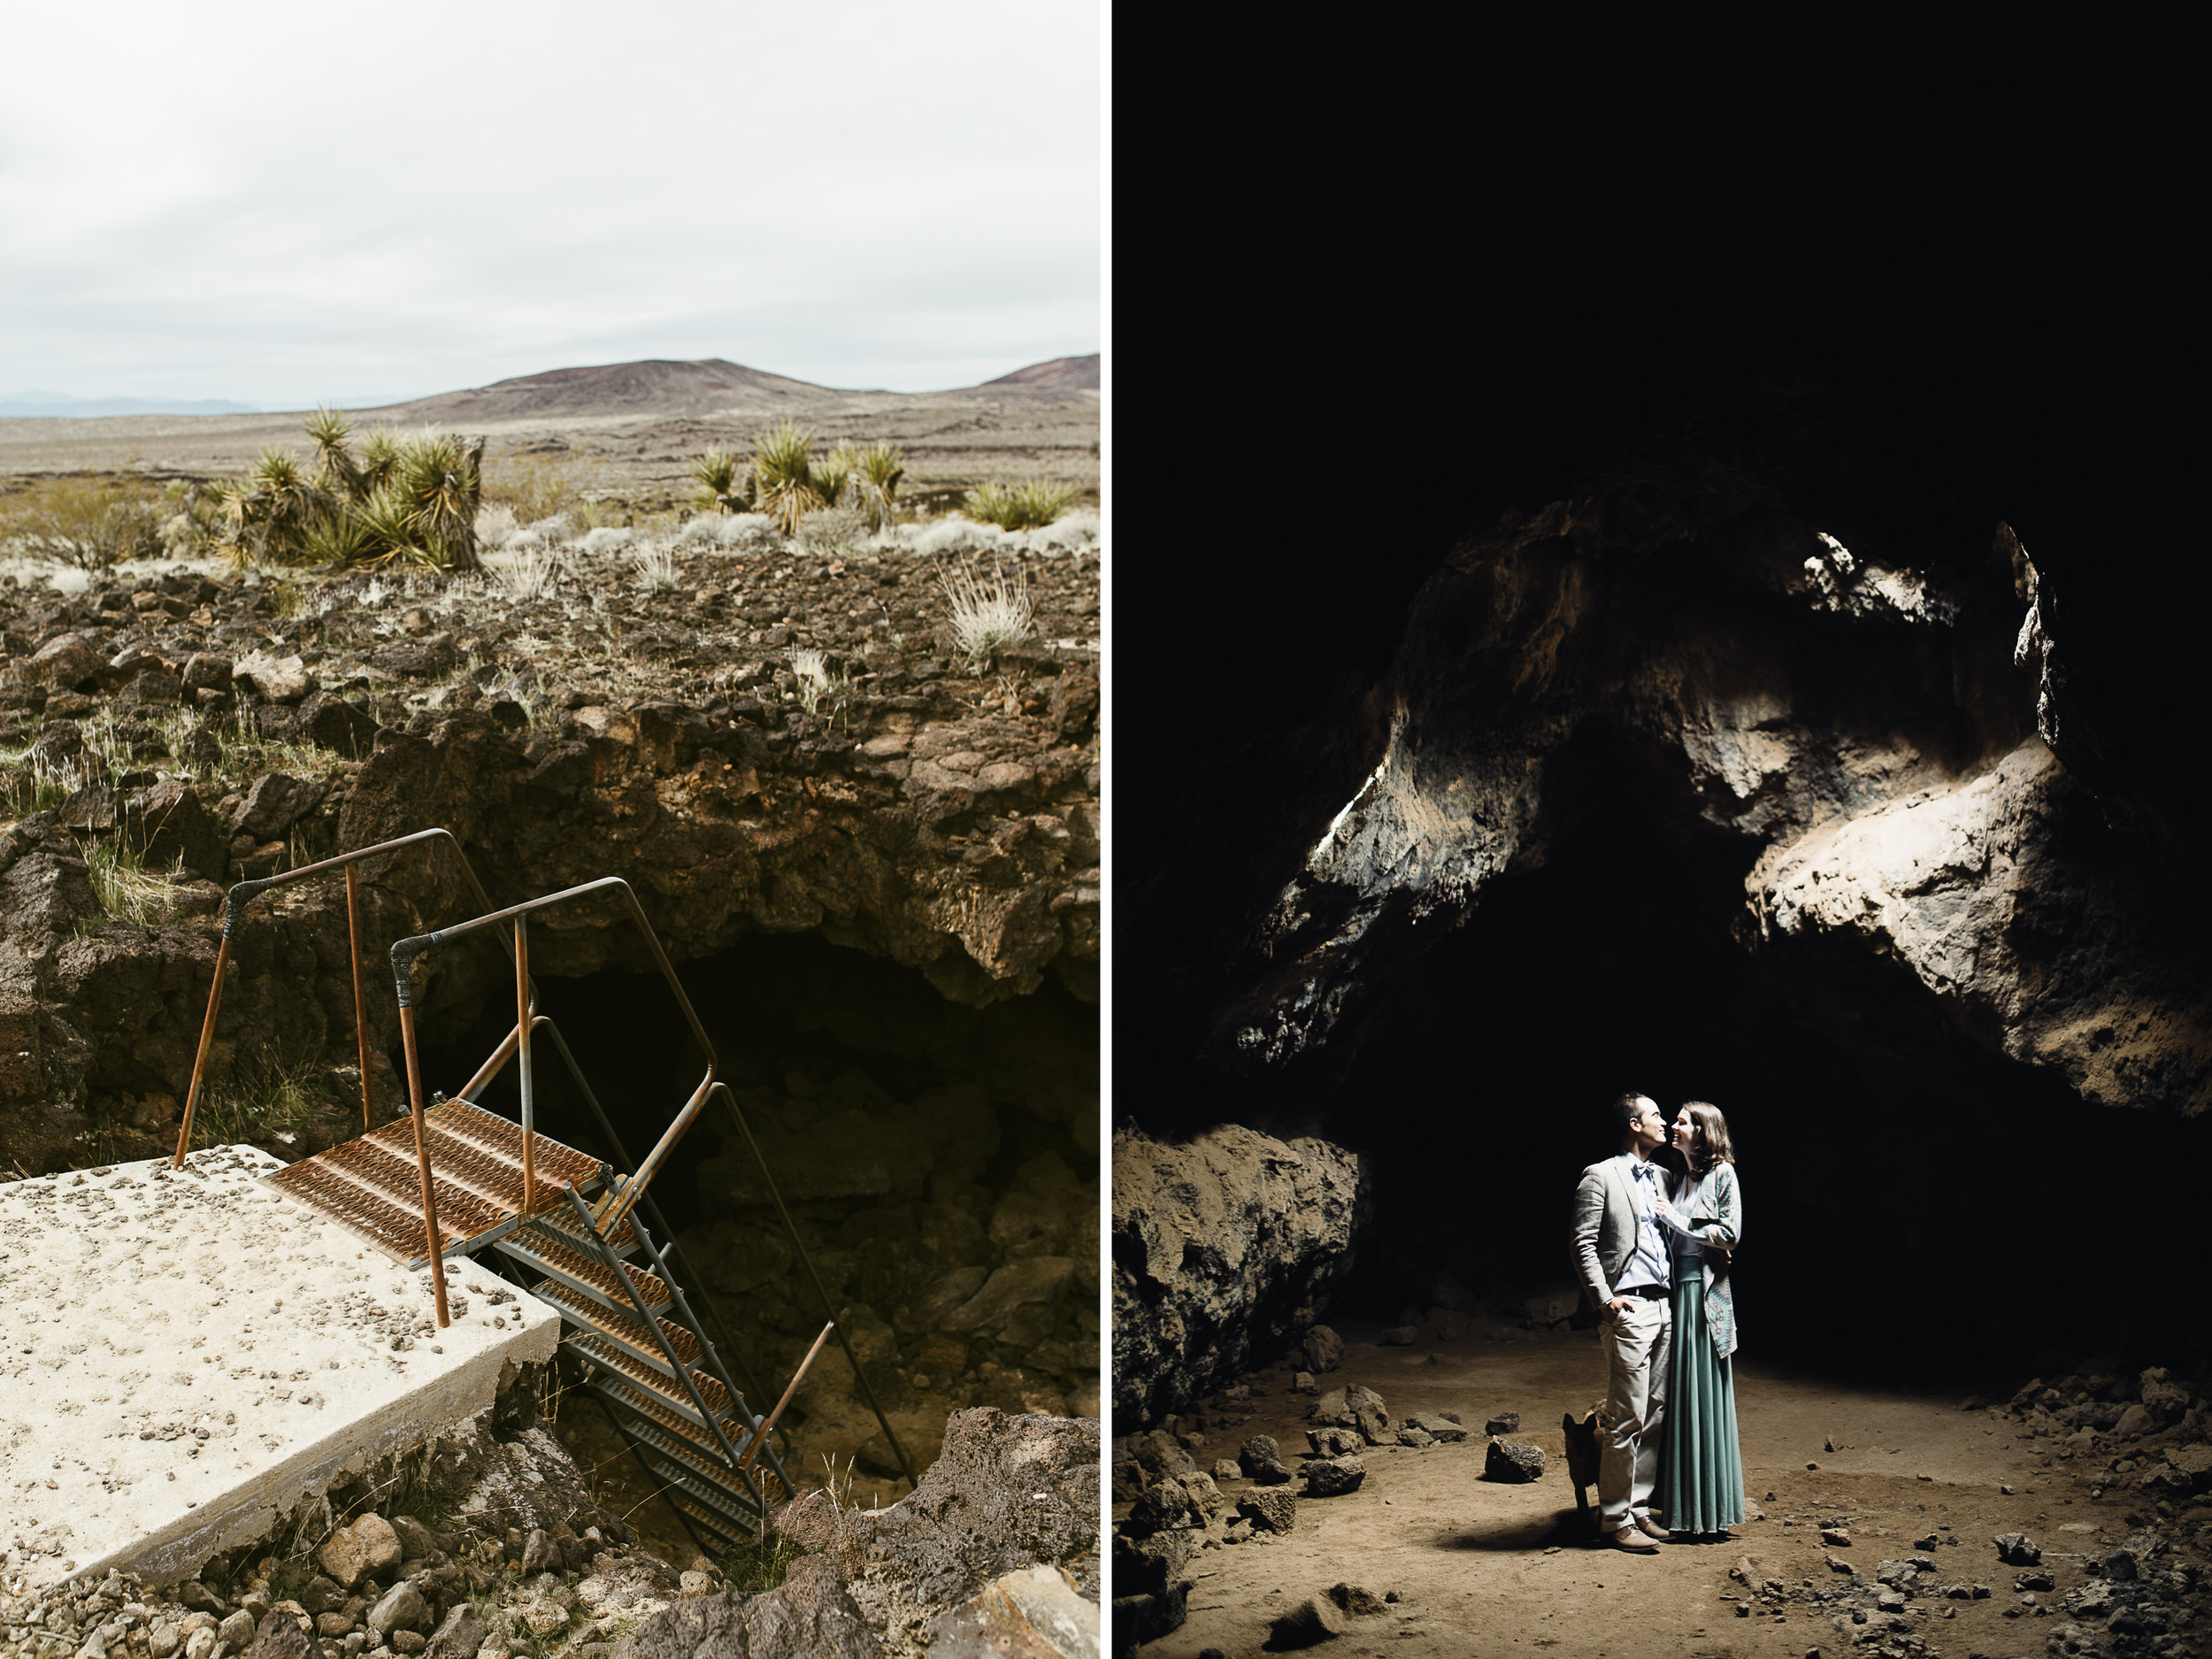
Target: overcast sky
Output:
[(284, 204)]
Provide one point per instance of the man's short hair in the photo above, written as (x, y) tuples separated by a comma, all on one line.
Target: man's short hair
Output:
[(1624, 1112)]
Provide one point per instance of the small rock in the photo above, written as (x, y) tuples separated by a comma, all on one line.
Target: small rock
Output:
[(2016, 1549), (400, 1608), (461, 1636), (367, 1548), (416, 1540), (538, 1554), (1441, 1424), (1399, 1336), (198, 1598), (276, 679), (409, 1641), (279, 1636), (1304, 1383), (1504, 1423), (1354, 1600), (1835, 1537), (1334, 1477), (1512, 1461), (1315, 1619), (1334, 1442), (2034, 1578), (1227, 1469), (1415, 1437), (1270, 1509)]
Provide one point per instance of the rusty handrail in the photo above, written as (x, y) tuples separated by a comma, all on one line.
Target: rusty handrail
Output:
[(617, 1202), (245, 892)]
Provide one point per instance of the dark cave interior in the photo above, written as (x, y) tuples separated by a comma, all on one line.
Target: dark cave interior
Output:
[(1951, 1211)]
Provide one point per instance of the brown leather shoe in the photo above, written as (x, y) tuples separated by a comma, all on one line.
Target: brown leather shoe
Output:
[(1651, 1529), (1627, 1538)]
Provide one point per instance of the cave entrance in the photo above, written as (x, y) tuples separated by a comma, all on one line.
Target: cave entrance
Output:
[(939, 1160), (1918, 1208)]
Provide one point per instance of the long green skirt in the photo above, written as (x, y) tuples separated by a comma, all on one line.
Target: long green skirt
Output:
[(1701, 1469)]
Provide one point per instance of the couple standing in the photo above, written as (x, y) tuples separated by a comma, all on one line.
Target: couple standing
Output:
[(1653, 1242)]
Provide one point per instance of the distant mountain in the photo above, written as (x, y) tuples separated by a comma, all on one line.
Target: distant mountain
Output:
[(657, 386), (1055, 374), (60, 405)]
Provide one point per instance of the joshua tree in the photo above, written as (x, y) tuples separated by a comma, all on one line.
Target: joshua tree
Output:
[(787, 483)]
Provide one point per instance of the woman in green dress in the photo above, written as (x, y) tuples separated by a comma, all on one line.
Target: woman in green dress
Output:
[(1701, 1468)]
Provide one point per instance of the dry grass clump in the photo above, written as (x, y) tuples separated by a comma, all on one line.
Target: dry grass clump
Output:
[(87, 521), (535, 486), (985, 618)]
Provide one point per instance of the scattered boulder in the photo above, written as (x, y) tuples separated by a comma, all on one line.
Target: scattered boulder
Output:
[(1228, 1468), (1261, 1459), (1355, 1601), (2016, 1549), (1324, 1349), (1415, 1437), (1353, 1407), (459, 1637), (1270, 1509), (64, 663), (1512, 1461), (1334, 1477), (810, 1615), (272, 805), (1399, 1336), (1503, 1422), (1149, 1618), (1315, 1619), (1443, 1426), (275, 679), (1334, 1442)]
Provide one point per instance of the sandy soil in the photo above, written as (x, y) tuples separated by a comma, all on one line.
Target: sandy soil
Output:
[(1484, 1568)]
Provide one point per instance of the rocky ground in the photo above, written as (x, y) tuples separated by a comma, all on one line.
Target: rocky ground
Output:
[(932, 823), (1427, 1509), (493, 1547)]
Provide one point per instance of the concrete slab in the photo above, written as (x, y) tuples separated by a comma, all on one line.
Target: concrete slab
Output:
[(188, 1357)]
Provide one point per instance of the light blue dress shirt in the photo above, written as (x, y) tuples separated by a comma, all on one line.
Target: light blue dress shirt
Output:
[(1648, 1265)]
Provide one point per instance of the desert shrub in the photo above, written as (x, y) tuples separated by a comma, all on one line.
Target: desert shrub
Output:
[(724, 485), (1020, 506), (524, 574), (952, 535), (606, 539), (122, 885), (411, 500), (787, 485), (552, 530), (878, 469), (495, 526), (985, 618), (729, 531), (832, 530), (85, 520)]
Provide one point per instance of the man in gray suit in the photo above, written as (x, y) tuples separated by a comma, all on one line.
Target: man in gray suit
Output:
[(1622, 1261)]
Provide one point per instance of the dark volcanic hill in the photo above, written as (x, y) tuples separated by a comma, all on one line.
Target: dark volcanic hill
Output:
[(1055, 374), (656, 387)]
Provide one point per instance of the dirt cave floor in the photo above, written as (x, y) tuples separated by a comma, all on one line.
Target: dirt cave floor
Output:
[(1482, 1567)]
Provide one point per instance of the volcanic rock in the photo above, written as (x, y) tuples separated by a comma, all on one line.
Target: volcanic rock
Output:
[(1223, 1245), (1334, 1477), (1260, 1460), (1512, 1461)]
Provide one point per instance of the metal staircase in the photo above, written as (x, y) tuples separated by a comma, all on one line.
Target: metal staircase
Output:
[(467, 1180), (629, 1326)]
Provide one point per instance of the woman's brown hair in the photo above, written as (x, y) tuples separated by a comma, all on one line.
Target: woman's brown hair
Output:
[(1709, 1139)]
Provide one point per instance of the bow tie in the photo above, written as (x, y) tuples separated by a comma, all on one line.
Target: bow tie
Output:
[(1644, 1171)]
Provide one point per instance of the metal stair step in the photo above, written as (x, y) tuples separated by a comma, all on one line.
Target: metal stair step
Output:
[(577, 1271), (633, 1335), (653, 1381), (734, 1510), (562, 1221), (700, 1516), (678, 1437)]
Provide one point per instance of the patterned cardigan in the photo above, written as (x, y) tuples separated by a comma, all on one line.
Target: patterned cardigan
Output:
[(1716, 1222)]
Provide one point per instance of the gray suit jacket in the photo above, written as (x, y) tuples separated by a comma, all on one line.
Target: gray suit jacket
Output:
[(1603, 1237)]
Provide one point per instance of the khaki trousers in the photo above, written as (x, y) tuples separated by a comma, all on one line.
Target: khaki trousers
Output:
[(1636, 1340)]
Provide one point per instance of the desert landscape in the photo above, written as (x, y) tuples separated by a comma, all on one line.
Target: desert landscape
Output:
[(846, 748)]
